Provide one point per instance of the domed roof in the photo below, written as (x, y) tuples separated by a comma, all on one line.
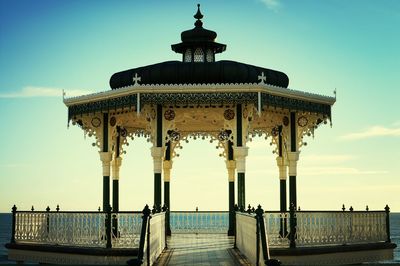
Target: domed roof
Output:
[(198, 36), (176, 72)]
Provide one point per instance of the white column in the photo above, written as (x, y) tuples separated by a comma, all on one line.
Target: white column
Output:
[(167, 166), (293, 157), (240, 154), (157, 154), (282, 166), (115, 166), (105, 158), (231, 166)]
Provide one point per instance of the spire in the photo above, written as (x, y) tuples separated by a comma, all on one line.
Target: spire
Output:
[(198, 16)]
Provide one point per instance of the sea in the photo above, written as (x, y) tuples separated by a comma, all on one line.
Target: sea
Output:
[(5, 234)]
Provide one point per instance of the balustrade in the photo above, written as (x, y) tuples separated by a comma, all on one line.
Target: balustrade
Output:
[(321, 228), (86, 229)]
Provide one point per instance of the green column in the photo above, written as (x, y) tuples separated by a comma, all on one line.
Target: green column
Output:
[(157, 189), (106, 178), (231, 230), (167, 203), (293, 148), (159, 144), (241, 190)]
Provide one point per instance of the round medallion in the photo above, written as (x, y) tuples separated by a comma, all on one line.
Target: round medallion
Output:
[(245, 113), (285, 121), (113, 121), (123, 133), (229, 114), (96, 122), (169, 115), (302, 121)]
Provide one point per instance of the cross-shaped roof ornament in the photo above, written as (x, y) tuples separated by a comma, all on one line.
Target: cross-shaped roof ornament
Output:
[(262, 78), (136, 80)]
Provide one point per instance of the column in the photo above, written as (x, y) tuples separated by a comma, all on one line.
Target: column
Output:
[(231, 166), (240, 158), (240, 154), (167, 166), (293, 157), (157, 154), (116, 164), (282, 166), (105, 157)]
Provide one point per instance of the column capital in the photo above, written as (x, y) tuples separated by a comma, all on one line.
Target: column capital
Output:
[(167, 166), (293, 157), (157, 154), (231, 166), (240, 153), (282, 165), (115, 165), (106, 158)]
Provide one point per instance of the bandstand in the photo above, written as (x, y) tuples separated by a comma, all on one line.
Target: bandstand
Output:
[(226, 102)]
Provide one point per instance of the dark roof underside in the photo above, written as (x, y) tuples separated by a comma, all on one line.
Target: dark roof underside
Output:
[(176, 72)]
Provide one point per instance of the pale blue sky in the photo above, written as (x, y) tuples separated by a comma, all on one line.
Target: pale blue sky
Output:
[(48, 46)]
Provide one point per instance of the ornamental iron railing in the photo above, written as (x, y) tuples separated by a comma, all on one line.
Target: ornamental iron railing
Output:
[(324, 228), (199, 222), (129, 230), (338, 228)]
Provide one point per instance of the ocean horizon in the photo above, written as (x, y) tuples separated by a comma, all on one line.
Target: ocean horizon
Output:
[(6, 221)]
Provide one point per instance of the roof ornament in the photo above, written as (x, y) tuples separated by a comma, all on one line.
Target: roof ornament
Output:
[(262, 78), (334, 92), (136, 80), (198, 16)]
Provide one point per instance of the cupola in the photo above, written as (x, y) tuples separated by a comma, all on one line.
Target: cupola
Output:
[(198, 44)]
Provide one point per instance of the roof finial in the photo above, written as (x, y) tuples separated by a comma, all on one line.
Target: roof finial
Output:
[(198, 16)]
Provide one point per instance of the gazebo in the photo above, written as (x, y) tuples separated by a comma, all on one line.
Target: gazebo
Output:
[(227, 102)]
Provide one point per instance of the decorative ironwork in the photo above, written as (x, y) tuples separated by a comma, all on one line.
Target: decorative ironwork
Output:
[(295, 104), (128, 101), (277, 226), (198, 98), (302, 121), (285, 121), (113, 121), (86, 229), (325, 228), (169, 114), (229, 114), (127, 231), (96, 122), (199, 222)]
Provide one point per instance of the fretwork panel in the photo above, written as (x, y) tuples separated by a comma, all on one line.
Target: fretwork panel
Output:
[(128, 230), (337, 228), (277, 228)]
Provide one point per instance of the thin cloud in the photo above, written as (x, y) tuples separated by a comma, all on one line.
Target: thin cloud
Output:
[(32, 91), (274, 5), (320, 171), (375, 131), (327, 158)]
